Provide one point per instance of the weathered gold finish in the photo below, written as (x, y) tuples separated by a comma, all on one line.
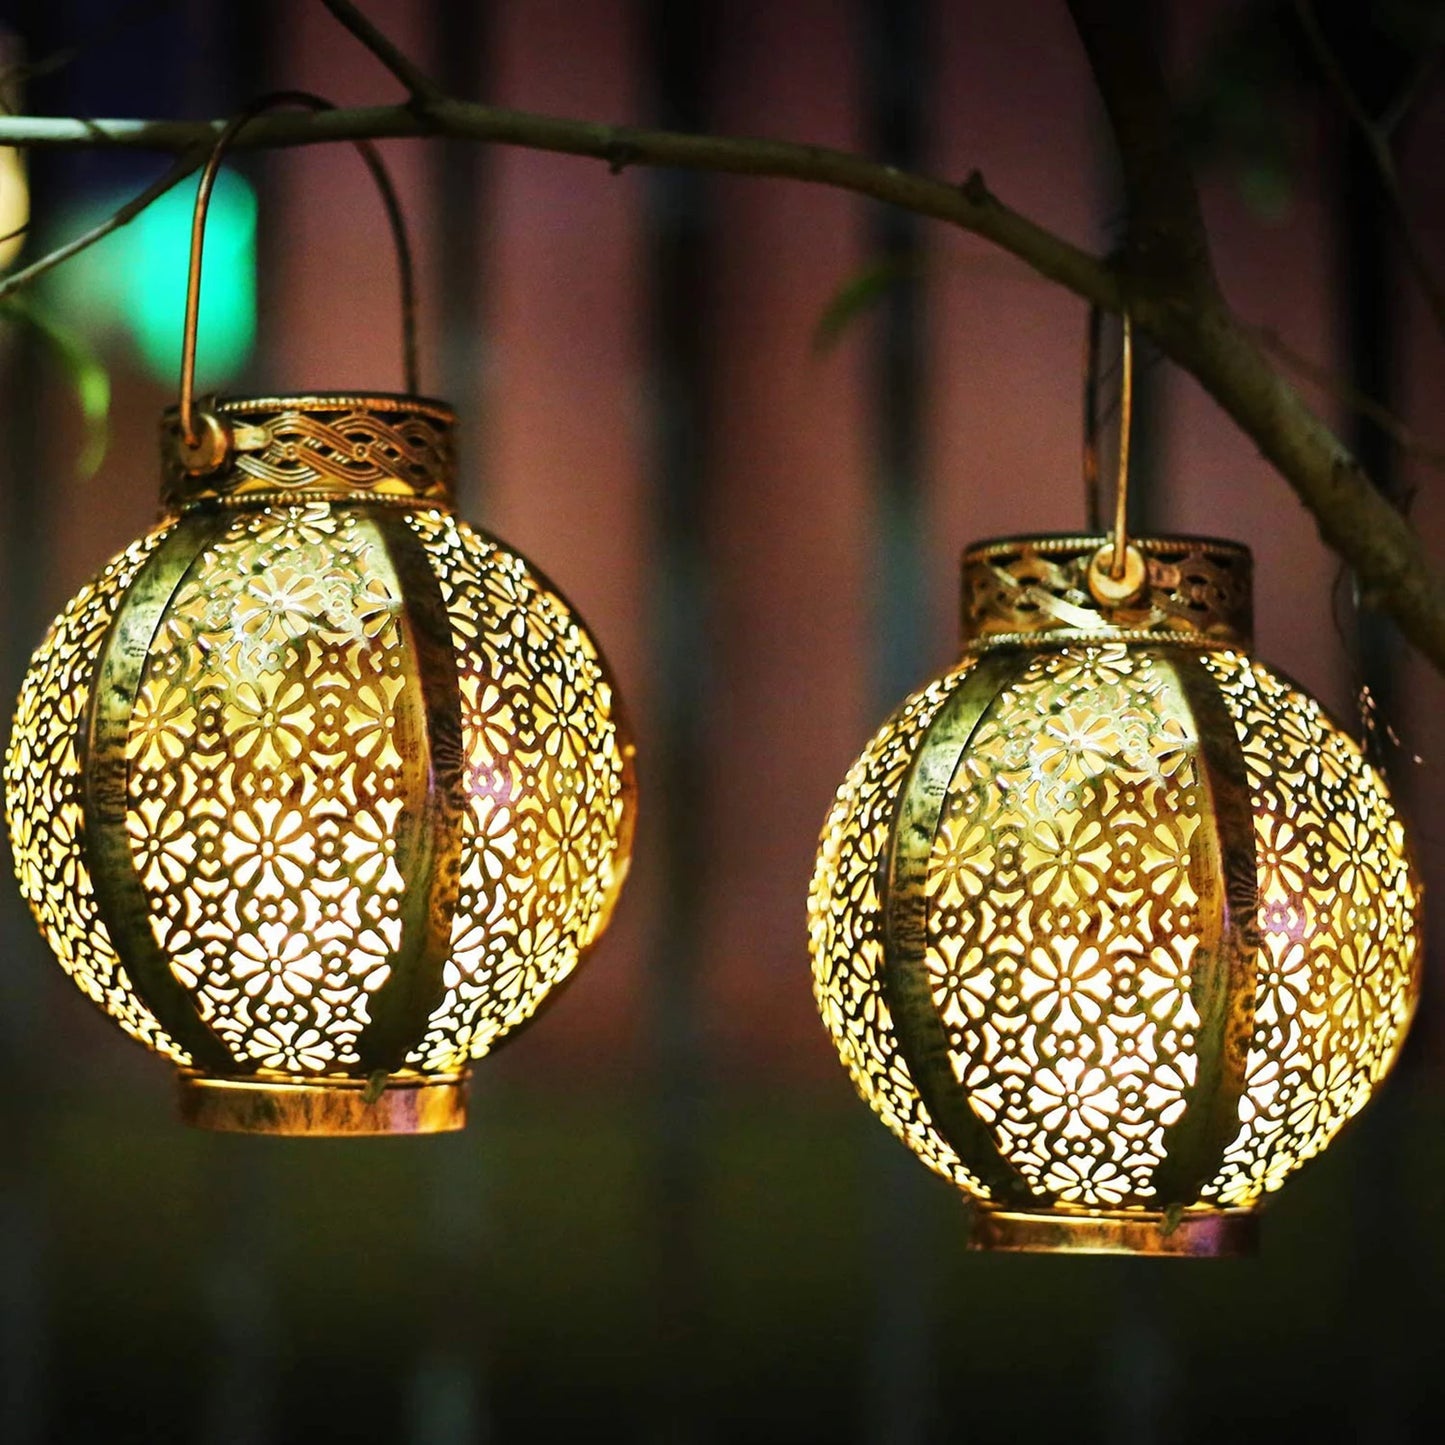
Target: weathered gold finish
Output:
[(1110, 924), (1212, 1234), (330, 1108), (315, 790), (1117, 575), (1036, 591), (381, 448)]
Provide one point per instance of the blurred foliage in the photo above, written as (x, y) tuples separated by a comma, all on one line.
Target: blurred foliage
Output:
[(85, 373), (131, 286), (1243, 108), (860, 293), (1250, 105)]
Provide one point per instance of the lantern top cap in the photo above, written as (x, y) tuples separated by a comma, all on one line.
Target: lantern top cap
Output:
[(1035, 592), (334, 446)]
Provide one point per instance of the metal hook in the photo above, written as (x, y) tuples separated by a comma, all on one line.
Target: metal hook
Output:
[(206, 454), (1117, 572)]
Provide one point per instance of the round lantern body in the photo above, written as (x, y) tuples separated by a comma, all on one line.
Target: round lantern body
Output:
[(316, 790), (1111, 925)]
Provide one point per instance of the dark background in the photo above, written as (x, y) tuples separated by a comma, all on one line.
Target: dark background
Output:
[(670, 1221)]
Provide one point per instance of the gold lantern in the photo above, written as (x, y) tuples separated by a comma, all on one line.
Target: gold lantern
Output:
[(316, 790), (1110, 923)]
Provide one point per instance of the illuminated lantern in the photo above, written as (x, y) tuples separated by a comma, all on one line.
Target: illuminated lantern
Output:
[(1111, 925), (316, 790)]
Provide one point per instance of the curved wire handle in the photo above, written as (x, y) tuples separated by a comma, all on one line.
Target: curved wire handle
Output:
[(1126, 426), (1117, 572), (394, 216)]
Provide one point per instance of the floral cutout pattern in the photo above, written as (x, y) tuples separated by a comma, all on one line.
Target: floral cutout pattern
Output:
[(1073, 913), (546, 821), (44, 792), (1062, 970), (279, 780), (266, 791), (1337, 917), (845, 926)]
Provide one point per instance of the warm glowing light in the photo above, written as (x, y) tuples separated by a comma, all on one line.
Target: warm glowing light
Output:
[(1110, 924), (14, 205), (316, 789), (14, 183)]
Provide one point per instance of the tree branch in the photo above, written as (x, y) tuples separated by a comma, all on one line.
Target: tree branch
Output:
[(420, 86), (1391, 423), (1191, 325), (1172, 293), (1354, 517), (970, 206), (1166, 247)]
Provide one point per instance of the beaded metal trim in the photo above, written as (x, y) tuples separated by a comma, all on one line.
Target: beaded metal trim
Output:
[(1034, 592), (391, 448)]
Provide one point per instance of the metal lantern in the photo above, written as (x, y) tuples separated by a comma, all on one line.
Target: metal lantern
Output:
[(316, 790), (1111, 925)]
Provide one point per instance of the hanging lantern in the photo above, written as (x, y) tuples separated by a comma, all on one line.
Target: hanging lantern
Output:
[(316, 790), (1111, 925)]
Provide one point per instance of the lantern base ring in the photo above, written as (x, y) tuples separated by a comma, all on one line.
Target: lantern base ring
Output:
[(1201, 1234), (409, 1104)]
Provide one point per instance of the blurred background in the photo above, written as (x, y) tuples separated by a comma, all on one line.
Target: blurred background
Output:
[(747, 425)]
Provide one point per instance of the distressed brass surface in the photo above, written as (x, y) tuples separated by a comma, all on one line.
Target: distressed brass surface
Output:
[(1043, 591), (336, 448), (1209, 1234), (1120, 925), (1117, 576), (330, 1108)]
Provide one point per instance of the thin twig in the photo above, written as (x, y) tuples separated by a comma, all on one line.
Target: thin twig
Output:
[(1395, 427), (1377, 142), (420, 86), (1413, 88), (57, 60), (183, 167), (1173, 295)]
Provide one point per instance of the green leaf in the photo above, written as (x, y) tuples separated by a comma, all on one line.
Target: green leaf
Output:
[(859, 294), (85, 371)]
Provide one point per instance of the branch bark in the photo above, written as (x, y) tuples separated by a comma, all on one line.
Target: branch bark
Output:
[(1171, 290), (1166, 245)]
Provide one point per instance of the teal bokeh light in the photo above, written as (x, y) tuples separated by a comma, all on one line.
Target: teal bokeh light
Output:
[(134, 282)]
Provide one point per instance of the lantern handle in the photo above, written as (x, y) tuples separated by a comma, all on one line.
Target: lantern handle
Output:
[(1117, 572), (190, 431)]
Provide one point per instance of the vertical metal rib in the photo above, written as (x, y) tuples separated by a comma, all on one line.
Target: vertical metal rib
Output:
[(401, 1007), (1224, 965), (120, 898), (920, 1031)]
